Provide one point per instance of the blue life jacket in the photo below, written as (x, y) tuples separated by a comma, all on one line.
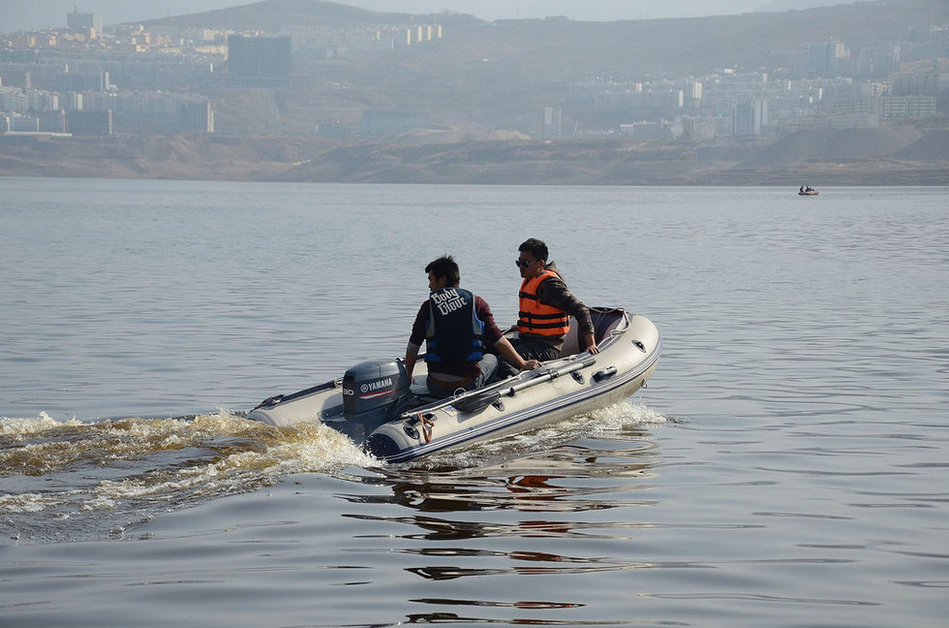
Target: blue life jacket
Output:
[(453, 332)]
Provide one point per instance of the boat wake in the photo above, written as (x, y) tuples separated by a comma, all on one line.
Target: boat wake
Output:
[(599, 423), (74, 480)]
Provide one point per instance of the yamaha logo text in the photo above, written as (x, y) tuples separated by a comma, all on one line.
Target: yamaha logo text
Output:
[(376, 385)]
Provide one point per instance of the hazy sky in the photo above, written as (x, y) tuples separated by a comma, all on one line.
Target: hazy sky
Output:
[(38, 14)]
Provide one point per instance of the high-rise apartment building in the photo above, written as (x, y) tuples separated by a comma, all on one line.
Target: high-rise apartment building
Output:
[(258, 57)]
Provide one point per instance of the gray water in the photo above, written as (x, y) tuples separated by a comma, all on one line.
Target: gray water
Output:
[(787, 465)]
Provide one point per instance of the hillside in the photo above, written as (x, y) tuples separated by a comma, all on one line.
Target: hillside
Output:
[(513, 161), (670, 46), (934, 146), (484, 85), (833, 145), (272, 15), (484, 77)]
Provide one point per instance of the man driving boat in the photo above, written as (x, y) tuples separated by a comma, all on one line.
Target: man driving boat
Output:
[(457, 327)]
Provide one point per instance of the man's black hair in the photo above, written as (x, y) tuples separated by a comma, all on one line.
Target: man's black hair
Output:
[(535, 247), (445, 267)]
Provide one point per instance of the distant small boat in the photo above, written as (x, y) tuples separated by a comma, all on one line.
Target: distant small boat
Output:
[(808, 192)]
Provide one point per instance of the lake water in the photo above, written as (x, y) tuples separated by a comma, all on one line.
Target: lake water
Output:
[(788, 464)]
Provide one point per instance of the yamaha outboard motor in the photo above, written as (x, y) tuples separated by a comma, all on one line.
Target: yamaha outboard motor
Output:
[(373, 392)]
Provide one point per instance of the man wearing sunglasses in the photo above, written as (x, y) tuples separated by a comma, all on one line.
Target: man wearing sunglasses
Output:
[(545, 306), (457, 327)]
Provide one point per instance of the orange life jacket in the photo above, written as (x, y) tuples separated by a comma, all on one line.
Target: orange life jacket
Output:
[(536, 318)]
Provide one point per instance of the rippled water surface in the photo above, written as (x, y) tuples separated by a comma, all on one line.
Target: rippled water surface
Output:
[(787, 465)]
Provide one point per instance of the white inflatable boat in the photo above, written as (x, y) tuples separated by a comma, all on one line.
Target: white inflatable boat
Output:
[(396, 420)]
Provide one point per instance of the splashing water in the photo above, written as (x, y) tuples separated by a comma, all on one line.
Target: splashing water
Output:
[(81, 476), (602, 421), (73, 480)]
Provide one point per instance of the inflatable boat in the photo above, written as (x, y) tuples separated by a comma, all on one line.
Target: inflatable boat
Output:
[(396, 420)]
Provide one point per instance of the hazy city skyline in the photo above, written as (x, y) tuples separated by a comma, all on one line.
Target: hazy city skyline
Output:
[(18, 15)]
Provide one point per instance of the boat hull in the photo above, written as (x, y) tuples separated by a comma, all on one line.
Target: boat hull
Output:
[(559, 389)]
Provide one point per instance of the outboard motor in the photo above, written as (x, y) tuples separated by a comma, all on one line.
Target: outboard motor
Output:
[(373, 392)]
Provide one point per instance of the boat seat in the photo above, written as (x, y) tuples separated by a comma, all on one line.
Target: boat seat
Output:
[(605, 320)]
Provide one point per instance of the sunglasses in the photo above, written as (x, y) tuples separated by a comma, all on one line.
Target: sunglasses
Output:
[(522, 263)]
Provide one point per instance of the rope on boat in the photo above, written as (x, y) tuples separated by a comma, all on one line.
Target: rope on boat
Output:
[(427, 427)]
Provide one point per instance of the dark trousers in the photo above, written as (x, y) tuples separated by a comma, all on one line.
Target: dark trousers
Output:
[(529, 350)]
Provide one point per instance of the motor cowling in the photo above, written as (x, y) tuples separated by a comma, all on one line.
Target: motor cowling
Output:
[(373, 393)]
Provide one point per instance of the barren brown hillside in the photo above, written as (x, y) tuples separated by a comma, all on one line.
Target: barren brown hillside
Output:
[(820, 161)]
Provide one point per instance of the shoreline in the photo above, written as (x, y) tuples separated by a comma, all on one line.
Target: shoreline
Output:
[(601, 162)]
